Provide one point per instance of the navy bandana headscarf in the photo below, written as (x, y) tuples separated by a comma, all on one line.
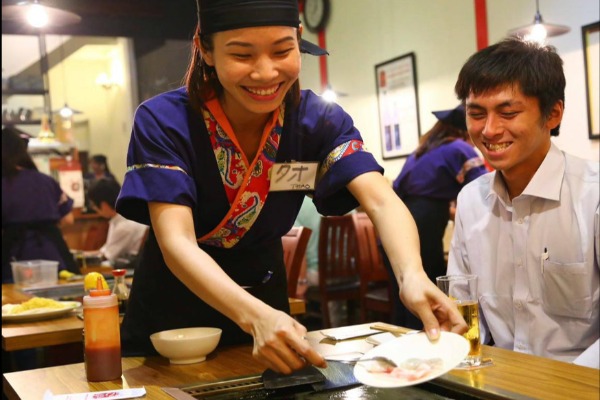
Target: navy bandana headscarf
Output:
[(222, 15)]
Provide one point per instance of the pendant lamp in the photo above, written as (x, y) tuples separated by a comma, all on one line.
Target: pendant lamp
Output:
[(39, 15), (65, 112), (539, 30), (331, 95)]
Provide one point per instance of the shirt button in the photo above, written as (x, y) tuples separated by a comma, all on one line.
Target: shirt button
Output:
[(518, 305), (520, 221), (519, 262)]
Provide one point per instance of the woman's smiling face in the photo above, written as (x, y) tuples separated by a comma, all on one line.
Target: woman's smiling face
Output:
[(255, 66)]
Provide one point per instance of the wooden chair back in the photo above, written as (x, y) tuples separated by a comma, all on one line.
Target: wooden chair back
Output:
[(375, 285), (338, 272), (294, 250), (95, 236)]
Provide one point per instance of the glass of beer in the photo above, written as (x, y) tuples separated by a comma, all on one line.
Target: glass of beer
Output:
[(463, 290)]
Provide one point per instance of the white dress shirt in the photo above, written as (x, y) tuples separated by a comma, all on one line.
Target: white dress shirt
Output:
[(124, 237), (537, 258)]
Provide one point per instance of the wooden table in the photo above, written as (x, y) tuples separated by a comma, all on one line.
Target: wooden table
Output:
[(27, 335), (514, 375)]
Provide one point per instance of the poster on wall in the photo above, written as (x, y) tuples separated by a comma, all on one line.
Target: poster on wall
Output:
[(591, 56), (398, 106), (70, 179)]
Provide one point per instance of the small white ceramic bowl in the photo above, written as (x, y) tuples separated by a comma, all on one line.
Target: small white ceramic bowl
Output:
[(186, 345)]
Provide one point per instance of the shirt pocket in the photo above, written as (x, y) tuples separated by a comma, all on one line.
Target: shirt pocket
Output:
[(567, 290)]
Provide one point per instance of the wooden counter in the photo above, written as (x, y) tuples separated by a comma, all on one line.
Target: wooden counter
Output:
[(514, 375)]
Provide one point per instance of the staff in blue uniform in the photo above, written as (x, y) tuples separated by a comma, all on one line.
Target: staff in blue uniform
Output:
[(430, 180), (34, 207), (219, 170)]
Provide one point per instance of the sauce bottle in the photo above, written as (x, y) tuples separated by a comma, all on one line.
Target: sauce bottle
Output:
[(120, 289), (102, 338)]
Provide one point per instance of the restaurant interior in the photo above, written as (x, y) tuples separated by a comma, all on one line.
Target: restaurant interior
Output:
[(74, 86)]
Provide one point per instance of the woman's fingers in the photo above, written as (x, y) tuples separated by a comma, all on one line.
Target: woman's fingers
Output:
[(285, 349)]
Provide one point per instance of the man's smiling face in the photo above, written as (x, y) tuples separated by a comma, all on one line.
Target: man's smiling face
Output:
[(509, 130)]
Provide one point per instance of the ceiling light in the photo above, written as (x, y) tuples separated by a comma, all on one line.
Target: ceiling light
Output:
[(65, 112), (331, 95), (539, 30), (39, 15)]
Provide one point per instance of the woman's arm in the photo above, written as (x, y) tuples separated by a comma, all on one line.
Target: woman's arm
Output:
[(400, 239), (68, 219), (278, 338)]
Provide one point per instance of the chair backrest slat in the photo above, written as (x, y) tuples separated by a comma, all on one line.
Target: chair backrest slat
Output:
[(294, 251), (370, 263), (337, 249)]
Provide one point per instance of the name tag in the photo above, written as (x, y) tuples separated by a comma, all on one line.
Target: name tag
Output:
[(293, 176)]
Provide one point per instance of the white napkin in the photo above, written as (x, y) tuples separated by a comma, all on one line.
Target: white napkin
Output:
[(108, 394)]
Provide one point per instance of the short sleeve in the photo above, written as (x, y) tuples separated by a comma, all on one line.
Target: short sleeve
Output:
[(464, 162), (65, 204), (340, 148), (159, 159)]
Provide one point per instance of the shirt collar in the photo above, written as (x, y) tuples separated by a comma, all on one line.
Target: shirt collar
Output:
[(546, 182)]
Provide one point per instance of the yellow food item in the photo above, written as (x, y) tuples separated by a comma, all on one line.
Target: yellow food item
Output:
[(64, 274), (91, 280), (36, 302)]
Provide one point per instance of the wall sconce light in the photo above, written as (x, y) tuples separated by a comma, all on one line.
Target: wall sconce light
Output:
[(105, 81), (539, 30), (39, 15)]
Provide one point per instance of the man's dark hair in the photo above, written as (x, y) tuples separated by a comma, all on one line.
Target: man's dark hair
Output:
[(104, 190), (536, 69)]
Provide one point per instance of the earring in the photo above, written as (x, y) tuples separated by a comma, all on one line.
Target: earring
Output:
[(208, 72)]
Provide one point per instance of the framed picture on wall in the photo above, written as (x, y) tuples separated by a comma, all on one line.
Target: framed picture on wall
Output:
[(591, 51), (396, 82)]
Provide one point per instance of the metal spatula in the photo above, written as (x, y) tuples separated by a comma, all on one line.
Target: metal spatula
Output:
[(276, 380)]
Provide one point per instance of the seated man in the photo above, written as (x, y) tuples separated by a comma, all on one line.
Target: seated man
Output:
[(530, 230), (124, 237)]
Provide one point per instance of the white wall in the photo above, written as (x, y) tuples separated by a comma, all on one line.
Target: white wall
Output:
[(442, 34), (106, 113)]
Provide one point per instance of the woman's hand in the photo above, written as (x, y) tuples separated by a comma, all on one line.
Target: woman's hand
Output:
[(278, 338), (399, 236), (279, 343), (431, 305)]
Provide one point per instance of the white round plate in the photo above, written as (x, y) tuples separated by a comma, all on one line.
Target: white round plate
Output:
[(39, 314), (450, 348)]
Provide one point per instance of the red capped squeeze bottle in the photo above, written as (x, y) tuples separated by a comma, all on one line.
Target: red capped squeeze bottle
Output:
[(120, 289), (102, 338)]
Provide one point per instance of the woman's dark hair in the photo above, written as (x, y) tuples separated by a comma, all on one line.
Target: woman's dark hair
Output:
[(202, 82), (536, 69), (439, 134), (102, 160), (14, 152)]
